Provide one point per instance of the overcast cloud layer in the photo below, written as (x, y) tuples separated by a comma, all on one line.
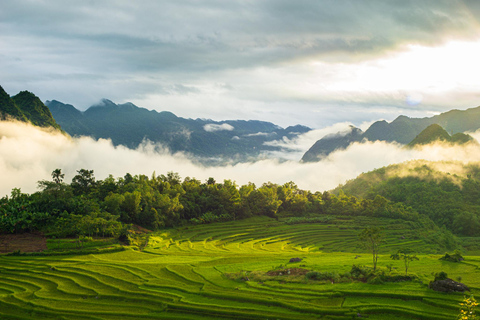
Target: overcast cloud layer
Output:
[(309, 62)]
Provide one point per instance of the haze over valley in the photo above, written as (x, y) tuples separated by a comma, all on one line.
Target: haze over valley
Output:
[(30, 153)]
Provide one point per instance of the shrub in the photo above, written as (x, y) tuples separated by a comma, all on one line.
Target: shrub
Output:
[(322, 276), (454, 257), (360, 272), (440, 276), (375, 280)]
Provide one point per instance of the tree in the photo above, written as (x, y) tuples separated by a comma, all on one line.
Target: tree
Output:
[(83, 181), (57, 176), (406, 255), (371, 238)]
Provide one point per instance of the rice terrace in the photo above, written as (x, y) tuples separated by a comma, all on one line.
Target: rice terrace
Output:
[(236, 270)]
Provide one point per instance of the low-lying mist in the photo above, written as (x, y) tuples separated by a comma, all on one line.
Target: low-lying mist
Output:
[(29, 154)]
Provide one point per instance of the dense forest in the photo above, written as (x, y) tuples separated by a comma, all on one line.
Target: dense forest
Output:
[(451, 200), (91, 207)]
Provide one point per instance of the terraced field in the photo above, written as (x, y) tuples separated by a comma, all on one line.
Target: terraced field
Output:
[(190, 273)]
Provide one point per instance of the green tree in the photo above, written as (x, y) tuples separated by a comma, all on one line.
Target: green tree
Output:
[(83, 181), (58, 176), (407, 255), (371, 238), (131, 206)]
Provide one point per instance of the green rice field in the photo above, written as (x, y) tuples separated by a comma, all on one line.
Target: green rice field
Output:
[(220, 271)]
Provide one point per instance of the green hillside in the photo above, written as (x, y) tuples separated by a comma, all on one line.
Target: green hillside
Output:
[(435, 132), (8, 108), (34, 110), (446, 192), (238, 270), (26, 107)]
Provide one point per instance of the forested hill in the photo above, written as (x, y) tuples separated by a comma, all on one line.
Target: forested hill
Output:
[(27, 107), (128, 125), (435, 132), (402, 130), (446, 192), (88, 206)]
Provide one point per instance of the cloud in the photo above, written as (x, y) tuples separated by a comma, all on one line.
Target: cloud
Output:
[(295, 148), (261, 134), (212, 127), (287, 62), (29, 154)]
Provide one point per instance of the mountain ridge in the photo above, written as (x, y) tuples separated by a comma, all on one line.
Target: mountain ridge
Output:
[(26, 107), (435, 133), (403, 130), (129, 125)]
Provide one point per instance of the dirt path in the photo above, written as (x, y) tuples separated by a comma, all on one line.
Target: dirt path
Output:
[(25, 242)]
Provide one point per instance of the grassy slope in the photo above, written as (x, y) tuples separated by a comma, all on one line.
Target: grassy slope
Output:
[(181, 275)]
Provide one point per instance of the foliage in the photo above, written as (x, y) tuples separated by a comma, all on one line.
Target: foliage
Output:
[(447, 199), (467, 308), (440, 276), (407, 255), (322, 276), (454, 257), (34, 110), (372, 237), (97, 208)]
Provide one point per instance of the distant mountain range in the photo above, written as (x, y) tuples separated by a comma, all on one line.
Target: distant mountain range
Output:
[(26, 107), (208, 140), (402, 130), (213, 142)]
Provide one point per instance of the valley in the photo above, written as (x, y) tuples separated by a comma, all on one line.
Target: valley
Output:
[(220, 271)]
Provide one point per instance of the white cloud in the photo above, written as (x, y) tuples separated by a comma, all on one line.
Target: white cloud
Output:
[(346, 61), (296, 147), (212, 127), (29, 154), (261, 134)]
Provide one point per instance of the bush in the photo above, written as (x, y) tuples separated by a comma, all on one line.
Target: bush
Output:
[(440, 276), (375, 280), (323, 276), (360, 272), (397, 278), (454, 257)]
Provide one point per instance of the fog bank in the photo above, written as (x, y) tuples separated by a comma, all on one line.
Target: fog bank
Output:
[(29, 154)]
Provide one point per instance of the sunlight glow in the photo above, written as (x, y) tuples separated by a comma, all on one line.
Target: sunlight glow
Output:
[(416, 72)]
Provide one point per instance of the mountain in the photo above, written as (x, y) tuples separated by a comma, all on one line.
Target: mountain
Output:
[(129, 125), (435, 132), (404, 129), (26, 107), (8, 108), (332, 142)]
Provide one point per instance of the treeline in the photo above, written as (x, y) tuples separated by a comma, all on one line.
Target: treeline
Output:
[(453, 205), (91, 207), (451, 201)]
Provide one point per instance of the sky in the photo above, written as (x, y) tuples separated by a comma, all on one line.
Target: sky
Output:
[(315, 63)]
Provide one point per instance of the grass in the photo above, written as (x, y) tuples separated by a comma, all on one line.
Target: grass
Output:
[(185, 273)]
